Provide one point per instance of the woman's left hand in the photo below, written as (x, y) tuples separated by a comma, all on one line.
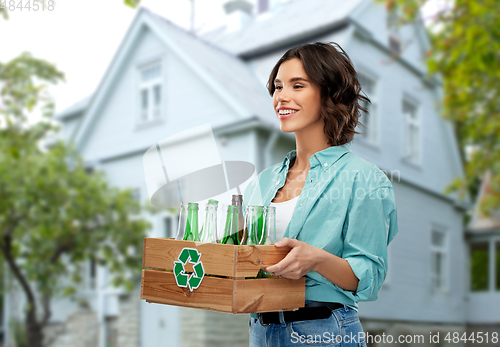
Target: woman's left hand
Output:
[(299, 261)]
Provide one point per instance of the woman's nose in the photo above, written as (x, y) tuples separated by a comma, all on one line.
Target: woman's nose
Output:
[(283, 96)]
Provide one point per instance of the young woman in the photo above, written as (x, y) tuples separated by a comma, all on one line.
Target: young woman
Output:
[(334, 209)]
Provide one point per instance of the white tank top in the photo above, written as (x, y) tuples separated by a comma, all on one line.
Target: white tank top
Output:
[(284, 211)]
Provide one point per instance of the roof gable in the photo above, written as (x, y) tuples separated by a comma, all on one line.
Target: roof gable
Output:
[(479, 221), (226, 74)]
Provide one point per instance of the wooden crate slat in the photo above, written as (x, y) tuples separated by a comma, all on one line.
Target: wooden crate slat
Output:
[(250, 259), (161, 253), (268, 294), (213, 294)]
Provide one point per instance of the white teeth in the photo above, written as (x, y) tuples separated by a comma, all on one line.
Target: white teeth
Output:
[(287, 111)]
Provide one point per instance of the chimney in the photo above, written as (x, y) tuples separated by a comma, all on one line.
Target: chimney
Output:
[(239, 14), (269, 7)]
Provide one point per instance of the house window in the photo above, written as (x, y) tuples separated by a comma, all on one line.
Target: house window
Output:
[(168, 227), (439, 280), (369, 119), (411, 131), (484, 266), (262, 6), (479, 266), (150, 92)]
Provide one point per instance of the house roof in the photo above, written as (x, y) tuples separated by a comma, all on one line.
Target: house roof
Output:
[(303, 19), (480, 223), (226, 68), (217, 52), (225, 72), (75, 108)]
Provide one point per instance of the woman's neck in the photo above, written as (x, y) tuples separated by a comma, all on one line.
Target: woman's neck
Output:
[(308, 143)]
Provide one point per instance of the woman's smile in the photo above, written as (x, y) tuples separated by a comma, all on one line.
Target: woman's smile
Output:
[(284, 113)]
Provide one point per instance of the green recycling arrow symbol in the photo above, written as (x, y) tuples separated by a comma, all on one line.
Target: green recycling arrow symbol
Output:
[(183, 279)]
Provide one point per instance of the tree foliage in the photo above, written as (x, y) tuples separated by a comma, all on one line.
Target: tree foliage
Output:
[(54, 215), (465, 51)]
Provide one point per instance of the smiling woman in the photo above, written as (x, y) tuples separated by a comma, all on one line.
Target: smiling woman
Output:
[(294, 94), (344, 213)]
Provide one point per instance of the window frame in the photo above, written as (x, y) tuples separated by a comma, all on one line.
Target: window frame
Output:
[(407, 123), (470, 244), (150, 86), (445, 264)]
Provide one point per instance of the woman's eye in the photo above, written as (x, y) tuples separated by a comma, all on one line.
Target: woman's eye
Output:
[(280, 87)]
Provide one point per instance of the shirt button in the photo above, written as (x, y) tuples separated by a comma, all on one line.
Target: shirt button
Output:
[(277, 182), (326, 164)]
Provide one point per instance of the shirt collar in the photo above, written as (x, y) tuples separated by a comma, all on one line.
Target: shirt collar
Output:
[(325, 158)]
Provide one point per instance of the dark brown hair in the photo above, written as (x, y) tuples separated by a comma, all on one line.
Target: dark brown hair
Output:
[(333, 72)]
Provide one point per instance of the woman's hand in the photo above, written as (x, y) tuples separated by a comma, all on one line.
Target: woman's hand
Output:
[(299, 261), (304, 258)]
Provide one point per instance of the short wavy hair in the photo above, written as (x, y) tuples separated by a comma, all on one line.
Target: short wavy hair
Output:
[(333, 72)]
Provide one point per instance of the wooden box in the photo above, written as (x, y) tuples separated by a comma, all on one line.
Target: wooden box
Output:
[(224, 286)]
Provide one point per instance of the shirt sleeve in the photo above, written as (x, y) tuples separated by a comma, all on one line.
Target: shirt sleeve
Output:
[(370, 226)]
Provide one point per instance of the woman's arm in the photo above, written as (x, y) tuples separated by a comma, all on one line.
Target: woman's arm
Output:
[(304, 258)]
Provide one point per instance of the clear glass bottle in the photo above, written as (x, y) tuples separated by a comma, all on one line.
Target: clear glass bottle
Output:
[(208, 231), (192, 232), (269, 225), (269, 235), (254, 223), (181, 230)]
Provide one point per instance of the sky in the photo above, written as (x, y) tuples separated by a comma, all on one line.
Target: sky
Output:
[(81, 37)]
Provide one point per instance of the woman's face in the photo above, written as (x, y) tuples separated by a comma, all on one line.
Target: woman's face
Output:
[(296, 101)]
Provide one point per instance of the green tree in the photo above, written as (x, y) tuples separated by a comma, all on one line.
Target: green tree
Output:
[(54, 215), (465, 51)]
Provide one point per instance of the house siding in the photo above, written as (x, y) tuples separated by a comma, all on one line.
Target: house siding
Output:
[(115, 130)]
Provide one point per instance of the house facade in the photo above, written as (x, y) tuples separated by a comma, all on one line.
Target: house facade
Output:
[(163, 80)]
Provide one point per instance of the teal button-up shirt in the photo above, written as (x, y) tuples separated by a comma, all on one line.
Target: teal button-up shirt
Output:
[(346, 207)]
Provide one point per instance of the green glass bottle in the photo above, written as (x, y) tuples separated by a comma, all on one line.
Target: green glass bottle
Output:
[(237, 200), (269, 232), (231, 228), (191, 233)]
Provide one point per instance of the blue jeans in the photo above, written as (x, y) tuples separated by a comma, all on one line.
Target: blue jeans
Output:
[(341, 329)]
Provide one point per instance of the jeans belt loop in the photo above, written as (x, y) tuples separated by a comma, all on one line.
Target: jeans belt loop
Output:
[(261, 321)]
